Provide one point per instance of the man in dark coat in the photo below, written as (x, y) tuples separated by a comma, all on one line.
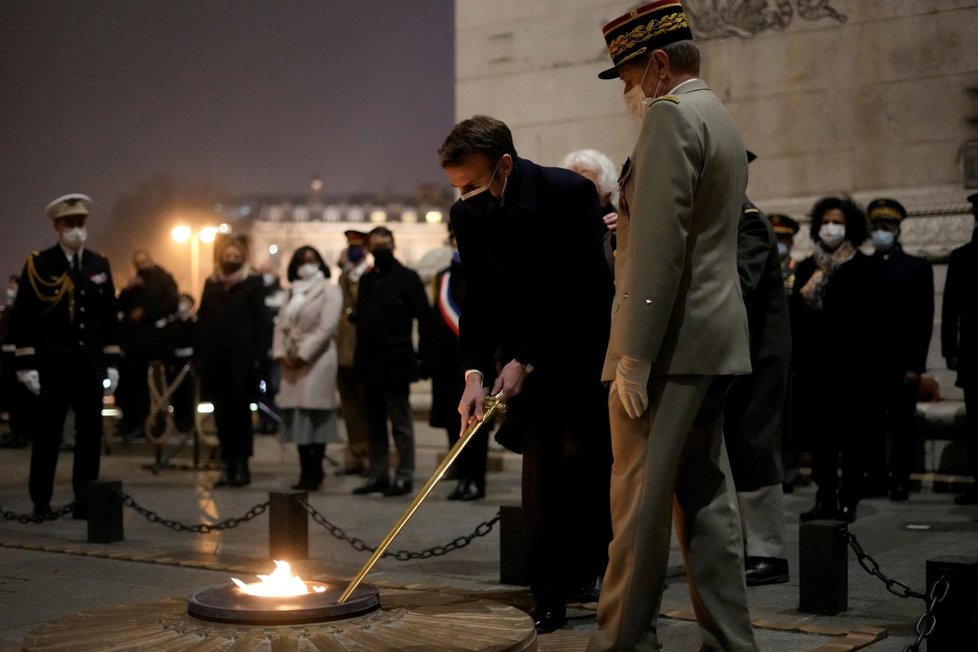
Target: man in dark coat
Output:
[(535, 318), (959, 339), (147, 301), (390, 298), (907, 302), (66, 346), (754, 408)]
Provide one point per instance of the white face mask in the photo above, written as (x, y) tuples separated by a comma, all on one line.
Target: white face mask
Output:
[(832, 234), (74, 238), (11, 296), (307, 270), (635, 100)]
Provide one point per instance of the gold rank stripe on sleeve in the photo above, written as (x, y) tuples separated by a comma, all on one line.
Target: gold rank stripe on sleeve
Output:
[(24, 351), (112, 349), (53, 291)]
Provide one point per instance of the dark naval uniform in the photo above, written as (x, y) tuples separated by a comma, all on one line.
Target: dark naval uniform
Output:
[(908, 315), (66, 329)]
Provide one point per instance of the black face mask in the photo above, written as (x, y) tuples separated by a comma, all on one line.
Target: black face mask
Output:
[(383, 257), (230, 266), (482, 203)]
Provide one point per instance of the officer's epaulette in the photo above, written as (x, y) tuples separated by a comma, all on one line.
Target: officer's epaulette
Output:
[(669, 98)]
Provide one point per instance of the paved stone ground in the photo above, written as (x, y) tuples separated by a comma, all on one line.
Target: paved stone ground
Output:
[(49, 570)]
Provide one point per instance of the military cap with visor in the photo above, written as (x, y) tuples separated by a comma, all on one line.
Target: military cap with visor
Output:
[(783, 225), (74, 203), (886, 209), (642, 30)]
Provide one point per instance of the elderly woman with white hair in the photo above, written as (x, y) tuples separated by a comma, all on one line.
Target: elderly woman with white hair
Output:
[(599, 169)]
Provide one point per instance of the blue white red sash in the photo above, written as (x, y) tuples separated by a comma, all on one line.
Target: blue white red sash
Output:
[(449, 309)]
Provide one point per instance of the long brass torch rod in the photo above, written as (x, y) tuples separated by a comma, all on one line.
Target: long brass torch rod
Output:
[(492, 405)]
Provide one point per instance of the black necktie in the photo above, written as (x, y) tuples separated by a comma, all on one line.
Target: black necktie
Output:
[(75, 267)]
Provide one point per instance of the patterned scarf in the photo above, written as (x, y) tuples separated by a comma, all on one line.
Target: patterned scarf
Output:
[(826, 263)]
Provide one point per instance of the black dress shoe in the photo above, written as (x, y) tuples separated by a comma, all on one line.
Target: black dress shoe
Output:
[(40, 511), (547, 620), (969, 497), (821, 511), (398, 488), (460, 489), (765, 570), (847, 513), (473, 491), (375, 486), (899, 493)]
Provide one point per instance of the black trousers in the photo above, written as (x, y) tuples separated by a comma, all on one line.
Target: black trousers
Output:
[(900, 403), (471, 462), (971, 416), (67, 381), (232, 393), (566, 493)]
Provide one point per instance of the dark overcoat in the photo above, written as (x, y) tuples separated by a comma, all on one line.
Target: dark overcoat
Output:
[(959, 314), (229, 337), (908, 310), (387, 305), (538, 290), (755, 403)]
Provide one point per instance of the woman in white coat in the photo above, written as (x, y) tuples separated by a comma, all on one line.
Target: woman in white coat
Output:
[(304, 347)]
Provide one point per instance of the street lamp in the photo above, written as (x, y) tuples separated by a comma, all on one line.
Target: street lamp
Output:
[(181, 234)]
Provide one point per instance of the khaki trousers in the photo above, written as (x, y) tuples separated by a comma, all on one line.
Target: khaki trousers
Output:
[(671, 463)]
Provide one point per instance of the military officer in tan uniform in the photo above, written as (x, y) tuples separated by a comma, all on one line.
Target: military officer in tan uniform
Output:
[(678, 337)]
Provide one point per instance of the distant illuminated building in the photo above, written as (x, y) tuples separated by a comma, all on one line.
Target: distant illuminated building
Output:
[(277, 225)]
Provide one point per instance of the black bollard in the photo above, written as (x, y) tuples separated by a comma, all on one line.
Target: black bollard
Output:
[(288, 526), (956, 616), (514, 546), (823, 567), (104, 502)]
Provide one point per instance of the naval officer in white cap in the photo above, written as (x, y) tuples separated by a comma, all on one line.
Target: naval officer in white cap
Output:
[(66, 348)]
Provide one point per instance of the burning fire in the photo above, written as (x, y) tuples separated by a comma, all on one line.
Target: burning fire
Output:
[(280, 584)]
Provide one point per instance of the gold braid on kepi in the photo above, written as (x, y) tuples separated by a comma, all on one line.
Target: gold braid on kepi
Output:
[(642, 30), (51, 292), (886, 209)]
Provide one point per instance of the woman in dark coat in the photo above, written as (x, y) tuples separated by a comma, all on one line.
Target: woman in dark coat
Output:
[(833, 317), (229, 326)]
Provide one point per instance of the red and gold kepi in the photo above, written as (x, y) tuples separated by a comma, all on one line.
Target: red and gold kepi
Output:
[(642, 30), (886, 209)]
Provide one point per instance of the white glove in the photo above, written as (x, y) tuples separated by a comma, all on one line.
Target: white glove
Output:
[(112, 375), (632, 382), (30, 379)]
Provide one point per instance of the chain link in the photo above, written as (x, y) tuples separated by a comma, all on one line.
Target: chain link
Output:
[(358, 544), (197, 528), (927, 621), (31, 518)]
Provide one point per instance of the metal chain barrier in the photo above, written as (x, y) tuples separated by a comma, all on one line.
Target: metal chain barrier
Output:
[(927, 621), (30, 518), (358, 544), (197, 528)]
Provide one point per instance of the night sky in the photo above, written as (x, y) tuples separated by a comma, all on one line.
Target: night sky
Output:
[(100, 96)]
